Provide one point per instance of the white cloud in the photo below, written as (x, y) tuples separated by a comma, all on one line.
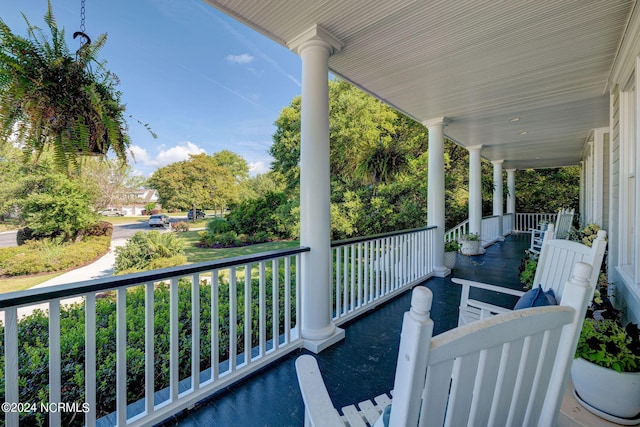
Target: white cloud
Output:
[(165, 155), (258, 167), (244, 58)]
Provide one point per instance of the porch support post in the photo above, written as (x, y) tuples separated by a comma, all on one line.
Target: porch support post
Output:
[(498, 196), (435, 192), (511, 186), (475, 190), (317, 329), (598, 176), (511, 197)]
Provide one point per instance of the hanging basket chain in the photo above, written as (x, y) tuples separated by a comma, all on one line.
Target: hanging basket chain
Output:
[(82, 16), (84, 38)]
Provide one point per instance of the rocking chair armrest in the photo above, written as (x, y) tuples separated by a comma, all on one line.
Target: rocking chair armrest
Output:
[(466, 284), (319, 410)]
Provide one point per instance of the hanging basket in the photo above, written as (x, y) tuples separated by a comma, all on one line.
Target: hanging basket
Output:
[(50, 96)]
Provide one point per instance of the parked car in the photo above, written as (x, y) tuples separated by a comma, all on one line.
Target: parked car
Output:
[(199, 214), (160, 220), (111, 212)]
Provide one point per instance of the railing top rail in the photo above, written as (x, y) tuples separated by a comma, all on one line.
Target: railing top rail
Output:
[(490, 216), (37, 295), (353, 240)]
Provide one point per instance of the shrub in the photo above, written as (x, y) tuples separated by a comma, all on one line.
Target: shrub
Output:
[(270, 214), (33, 345), (218, 226), (527, 269), (39, 256), (142, 248), (180, 226), (230, 238), (25, 234), (159, 263), (101, 228)]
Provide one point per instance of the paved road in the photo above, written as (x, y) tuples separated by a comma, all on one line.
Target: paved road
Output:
[(120, 231)]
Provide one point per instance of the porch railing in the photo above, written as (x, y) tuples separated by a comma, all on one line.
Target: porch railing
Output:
[(176, 338), (490, 231), (152, 344), (368, 271), (453, 235), (507, 223), (526, 221)]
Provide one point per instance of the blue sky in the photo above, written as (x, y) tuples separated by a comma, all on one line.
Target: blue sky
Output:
[(203, 81)]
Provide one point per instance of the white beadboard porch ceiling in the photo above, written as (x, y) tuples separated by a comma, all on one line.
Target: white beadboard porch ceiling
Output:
[(479, 63)]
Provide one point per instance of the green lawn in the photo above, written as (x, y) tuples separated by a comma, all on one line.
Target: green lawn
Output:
[(19, 283), (195, 254)]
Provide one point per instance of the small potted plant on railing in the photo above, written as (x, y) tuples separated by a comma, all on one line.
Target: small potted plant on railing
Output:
[(451, 249), (606, 370), (470, 244)]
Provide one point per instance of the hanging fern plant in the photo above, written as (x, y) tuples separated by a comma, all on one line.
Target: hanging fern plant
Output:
[(50, 96)]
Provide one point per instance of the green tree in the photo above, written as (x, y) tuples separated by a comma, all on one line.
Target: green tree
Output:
[(59, 205), (261, 184), (199, 181), (271, 214), (234, 163), (534, 186), (11, 174), (110, 178), (373, 150)]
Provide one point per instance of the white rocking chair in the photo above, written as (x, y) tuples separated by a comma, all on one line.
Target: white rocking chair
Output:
[(564, 221), (555, 262), (509, 369)]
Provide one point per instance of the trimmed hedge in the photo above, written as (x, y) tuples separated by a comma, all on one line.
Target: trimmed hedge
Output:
[(39, 256)]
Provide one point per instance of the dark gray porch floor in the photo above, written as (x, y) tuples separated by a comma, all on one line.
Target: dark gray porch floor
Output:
[(363, 364)]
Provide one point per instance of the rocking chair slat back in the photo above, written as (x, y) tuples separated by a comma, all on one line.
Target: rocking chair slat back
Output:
[(506, 370), (558, 255)]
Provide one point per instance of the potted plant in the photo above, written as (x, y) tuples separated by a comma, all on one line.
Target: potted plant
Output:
[(606, 370), (451, 249), (470, 244), (52, 97)]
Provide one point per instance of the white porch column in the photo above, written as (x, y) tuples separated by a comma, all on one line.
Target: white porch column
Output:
[(475, 190), (314, 47), (598, 213), (511, 197), (435, 192), (498, 195)]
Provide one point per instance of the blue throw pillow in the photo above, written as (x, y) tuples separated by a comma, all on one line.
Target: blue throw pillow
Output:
[(536, 298)]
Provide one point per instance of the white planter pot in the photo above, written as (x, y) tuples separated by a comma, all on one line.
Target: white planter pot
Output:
[(614, 393), (450, 259), (470, 247)]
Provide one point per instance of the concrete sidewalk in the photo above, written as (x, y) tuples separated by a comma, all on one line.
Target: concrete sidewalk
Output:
[(102, 267)]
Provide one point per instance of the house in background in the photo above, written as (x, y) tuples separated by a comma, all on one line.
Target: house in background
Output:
[(133, 201)]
